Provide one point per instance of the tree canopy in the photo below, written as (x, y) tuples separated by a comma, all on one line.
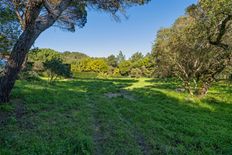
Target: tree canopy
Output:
[(197, 48), (66, 14), (8, 30), (35, 16)]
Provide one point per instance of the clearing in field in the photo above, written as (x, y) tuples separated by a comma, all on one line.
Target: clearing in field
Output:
[(115, 116)]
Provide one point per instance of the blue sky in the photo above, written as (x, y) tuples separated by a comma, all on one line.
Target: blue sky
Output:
[(103, 36)]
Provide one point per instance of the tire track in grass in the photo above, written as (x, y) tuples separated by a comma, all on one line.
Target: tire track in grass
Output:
[(97, 135), (136, 134)]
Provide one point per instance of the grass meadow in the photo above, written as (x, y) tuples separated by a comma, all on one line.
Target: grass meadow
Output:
[(115, 117)]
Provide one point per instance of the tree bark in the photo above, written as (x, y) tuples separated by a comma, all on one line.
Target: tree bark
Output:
[(34, 26), (15, 62), (203, 90)]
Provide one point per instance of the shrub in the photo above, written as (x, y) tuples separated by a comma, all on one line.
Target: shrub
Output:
[(29, 76), (55, 68), (136, 73), (85, 75)]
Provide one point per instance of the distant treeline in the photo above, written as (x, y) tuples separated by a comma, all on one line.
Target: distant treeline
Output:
[(138, 65)]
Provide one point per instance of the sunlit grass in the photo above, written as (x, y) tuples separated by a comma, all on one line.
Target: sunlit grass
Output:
[(77, 117)]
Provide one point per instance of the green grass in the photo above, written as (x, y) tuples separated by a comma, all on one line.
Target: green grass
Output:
[(150, 117)]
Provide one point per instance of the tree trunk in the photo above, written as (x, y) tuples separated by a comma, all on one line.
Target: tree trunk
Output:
[(33, 27), (187, 87), (203, 90), (14, 65)]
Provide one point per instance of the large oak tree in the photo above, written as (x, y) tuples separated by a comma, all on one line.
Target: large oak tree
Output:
[(197, 48), (35, 16)]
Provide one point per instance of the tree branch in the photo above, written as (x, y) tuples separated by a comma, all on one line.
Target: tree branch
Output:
[(16, 4), (222, 31), (54, 13)]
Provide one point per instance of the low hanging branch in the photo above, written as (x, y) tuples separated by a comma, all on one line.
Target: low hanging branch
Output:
[(35, 16)]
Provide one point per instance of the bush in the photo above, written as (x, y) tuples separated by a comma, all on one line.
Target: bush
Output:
[(125, 67), (136, 73), (117, 73), (29, 76), (56, 68), (85, 75), (103, 75)]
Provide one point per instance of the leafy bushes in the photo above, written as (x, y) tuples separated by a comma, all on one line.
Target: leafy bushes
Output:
[(85, 75), (83, 66), (55, 69), (46, 62), (136, 73), (29, 76), (90, 65)]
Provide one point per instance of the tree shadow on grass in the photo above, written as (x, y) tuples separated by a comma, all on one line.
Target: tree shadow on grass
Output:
[(167, 125), (166, 84), (216, 90), (53, 108), (171, 123), (96, 83)]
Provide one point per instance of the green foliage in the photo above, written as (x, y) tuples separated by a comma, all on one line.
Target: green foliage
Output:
[(116, 72), (28, 73), (42, 55), (98, 65), (192, 51), (79, 62), (85, 75), (120, 57), (56, 68), (125, 68), (136, 73), (81, 65), (90, 65), (29, 76), (112, 61), (136, 57), (72, 57), (37, 58), (9, 30)]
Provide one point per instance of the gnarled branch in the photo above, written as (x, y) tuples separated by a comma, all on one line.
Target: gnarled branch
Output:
[(222, 31)]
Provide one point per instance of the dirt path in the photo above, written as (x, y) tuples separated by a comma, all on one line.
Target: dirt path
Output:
[(138, 136), (98, 136)]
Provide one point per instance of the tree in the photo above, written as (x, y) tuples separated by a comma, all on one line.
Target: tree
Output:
[(42, 55), (81, 65), (136, 57), (185, 49), (2, 65), (160, 53), (120, 57), (35, 16), (213, 20), (56, 68), (112, 61), (125, 68), (136, 73), (98, 65), (72, 57), (8, 30), (142, 66), (38, 56), (214, 17)]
